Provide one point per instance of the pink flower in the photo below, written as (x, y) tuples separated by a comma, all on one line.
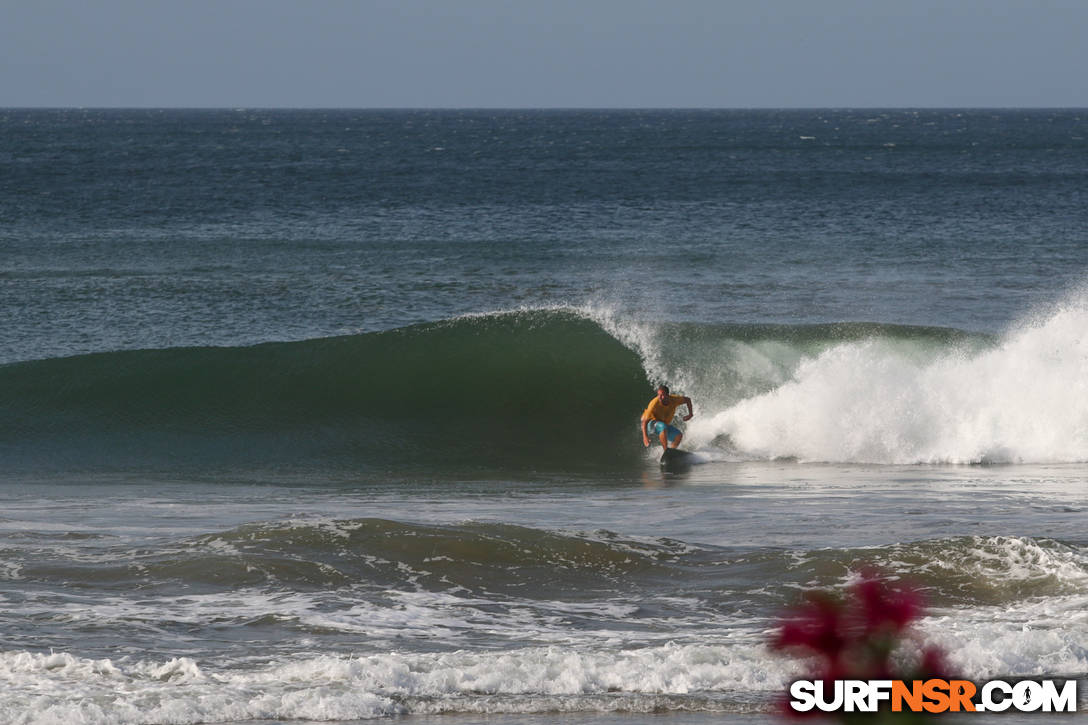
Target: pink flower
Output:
[(816, 625), (886, 606), (859, 635)]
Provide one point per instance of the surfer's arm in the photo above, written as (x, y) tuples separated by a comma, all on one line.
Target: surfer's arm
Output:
[(642, 427), (691, 408)]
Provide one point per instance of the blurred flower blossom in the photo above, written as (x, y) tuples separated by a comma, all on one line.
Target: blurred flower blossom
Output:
[(862, 635)]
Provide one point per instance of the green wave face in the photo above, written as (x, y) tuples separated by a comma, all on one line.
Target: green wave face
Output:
[(535, 390), (524, 389)]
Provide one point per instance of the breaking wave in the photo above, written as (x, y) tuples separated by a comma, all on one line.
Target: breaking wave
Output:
[(562, 389)]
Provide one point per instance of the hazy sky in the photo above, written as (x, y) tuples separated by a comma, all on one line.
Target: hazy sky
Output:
[(544, 53)]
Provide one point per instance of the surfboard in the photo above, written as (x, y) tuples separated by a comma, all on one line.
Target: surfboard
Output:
[(674, 459)]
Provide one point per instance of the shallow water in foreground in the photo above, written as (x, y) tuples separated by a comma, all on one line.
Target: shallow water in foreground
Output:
[(249, 600)]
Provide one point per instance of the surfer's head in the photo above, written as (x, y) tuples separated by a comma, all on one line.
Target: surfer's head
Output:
[(663, 393)]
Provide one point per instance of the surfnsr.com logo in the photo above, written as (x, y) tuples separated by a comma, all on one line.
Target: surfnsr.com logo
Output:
[(933, 696)]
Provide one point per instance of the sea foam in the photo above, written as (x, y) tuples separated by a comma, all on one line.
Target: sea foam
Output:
[(871, 401), (63, 688)]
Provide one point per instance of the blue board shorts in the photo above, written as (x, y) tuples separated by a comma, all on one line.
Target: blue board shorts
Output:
[(654, 428)]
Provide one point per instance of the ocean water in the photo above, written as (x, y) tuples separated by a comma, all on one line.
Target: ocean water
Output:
[(332, 415)]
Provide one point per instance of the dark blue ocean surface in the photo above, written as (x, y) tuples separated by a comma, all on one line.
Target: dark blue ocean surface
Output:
[(122, 229)]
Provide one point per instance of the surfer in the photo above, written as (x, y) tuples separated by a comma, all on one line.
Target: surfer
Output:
[(658, 415)]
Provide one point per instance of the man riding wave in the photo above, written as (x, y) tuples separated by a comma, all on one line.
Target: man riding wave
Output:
[(657, 417)]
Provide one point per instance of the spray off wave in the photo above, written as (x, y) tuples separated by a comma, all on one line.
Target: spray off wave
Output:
[(1022, 399)]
